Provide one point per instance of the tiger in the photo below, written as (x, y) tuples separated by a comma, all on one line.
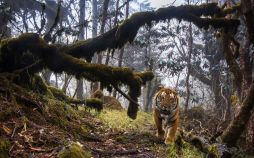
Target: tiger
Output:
[(166, 114)]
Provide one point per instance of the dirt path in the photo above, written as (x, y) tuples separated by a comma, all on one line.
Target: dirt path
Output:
[(133, 143)]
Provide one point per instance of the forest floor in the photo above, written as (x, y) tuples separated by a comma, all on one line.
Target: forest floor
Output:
[(123, 137), (38, 126)]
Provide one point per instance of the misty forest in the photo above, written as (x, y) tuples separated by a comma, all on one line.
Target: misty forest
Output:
[(127, 78)]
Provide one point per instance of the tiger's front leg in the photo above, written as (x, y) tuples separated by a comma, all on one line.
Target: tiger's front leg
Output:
[(158, 122), (171, 132)]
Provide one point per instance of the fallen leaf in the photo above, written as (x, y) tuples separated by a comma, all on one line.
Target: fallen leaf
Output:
[(7, 130), (37, 149)]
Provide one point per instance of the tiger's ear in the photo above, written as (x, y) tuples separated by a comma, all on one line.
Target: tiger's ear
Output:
[(160, 87)]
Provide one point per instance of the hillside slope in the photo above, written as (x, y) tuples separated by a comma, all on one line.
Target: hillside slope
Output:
[(36, 125)]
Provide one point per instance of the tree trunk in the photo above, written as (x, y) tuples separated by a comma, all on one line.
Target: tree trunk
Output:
[(237, 126), (120, 60), (56, 79), (50, 18), (247, 9), (232, 64), (149, 90), (67, 79), (94, 23), (103, 22), (190, 45), (79, 90), (94, 86), (81, 36), (5, 31), (250, 134), (46, 74)]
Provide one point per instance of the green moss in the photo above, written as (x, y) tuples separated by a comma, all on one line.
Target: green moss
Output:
[(230, 10), (4, 148), (58, 112), (58, 94), (118, 120), (38, 85), (145, 76), (94, 103), (86, 49), (74, 151), (84, 130), (186, 150), (17, 53), (213, 150), (5, 114)]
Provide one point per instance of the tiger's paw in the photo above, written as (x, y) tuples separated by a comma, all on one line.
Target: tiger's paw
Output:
[(160, 135), (169, 141)]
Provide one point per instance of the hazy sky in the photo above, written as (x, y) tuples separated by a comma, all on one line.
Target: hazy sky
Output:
[(161, 3)]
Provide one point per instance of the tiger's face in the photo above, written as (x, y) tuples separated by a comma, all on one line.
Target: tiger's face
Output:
[(167, 100)]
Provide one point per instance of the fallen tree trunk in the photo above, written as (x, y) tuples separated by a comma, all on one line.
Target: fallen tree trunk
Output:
[(212, 149)]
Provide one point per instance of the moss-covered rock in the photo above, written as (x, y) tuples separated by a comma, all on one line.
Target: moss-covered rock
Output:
[(112, 103), (75, 150)]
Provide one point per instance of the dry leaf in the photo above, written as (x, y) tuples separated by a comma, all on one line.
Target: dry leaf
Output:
[(6, 130)]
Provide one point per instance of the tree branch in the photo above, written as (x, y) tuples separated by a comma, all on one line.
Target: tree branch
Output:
[(194, 72), (127, 31)]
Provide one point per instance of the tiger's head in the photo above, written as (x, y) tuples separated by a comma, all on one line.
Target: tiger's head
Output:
[(166, 98)]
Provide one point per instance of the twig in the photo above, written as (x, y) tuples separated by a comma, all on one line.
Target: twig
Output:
[(120, 7), (216, 135), (200, 124), (29, 101), (116, 152), (47, 36), (125, 95), (14, 130)]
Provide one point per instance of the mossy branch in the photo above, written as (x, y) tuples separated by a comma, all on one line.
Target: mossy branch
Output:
[(127, 30), (232, 9), (35, 48)]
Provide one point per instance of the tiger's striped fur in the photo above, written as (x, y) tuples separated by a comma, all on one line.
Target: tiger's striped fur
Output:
[(166, 112)]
